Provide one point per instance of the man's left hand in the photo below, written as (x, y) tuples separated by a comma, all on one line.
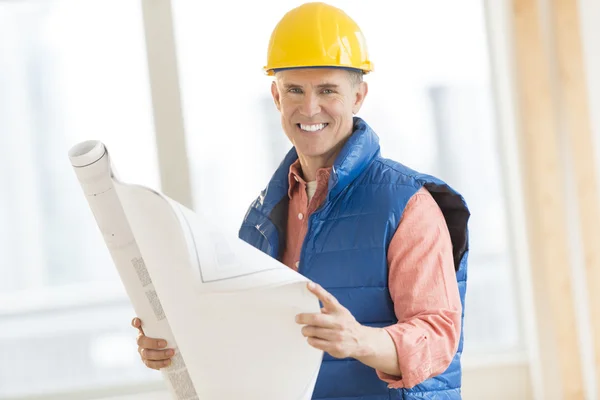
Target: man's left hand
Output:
[(334, 329)]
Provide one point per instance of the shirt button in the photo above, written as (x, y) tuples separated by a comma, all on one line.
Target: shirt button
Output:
[(297, 264), (300, 216)]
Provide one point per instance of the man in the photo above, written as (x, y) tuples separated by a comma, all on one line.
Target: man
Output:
[(384, 245)]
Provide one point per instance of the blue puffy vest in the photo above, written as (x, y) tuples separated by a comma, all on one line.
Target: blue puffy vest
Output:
[(345, 251)]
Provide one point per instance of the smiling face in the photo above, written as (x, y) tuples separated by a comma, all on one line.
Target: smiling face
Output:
[(317, 107)]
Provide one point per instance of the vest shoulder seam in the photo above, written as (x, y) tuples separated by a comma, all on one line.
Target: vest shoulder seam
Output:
[(394, 166)]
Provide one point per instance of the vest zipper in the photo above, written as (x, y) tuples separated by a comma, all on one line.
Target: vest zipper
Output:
[(308, 225), (303, 248), (301, 268)]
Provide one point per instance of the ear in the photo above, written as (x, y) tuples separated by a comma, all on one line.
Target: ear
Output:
[(275, 94), (360, 93)]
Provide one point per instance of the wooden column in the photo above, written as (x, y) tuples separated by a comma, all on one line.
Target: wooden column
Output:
[(577, 123), (544, 190)]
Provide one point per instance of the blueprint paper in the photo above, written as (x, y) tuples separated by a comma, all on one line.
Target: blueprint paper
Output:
[(227, 308)]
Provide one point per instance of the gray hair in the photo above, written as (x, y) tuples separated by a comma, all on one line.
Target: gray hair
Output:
[(356, 77)]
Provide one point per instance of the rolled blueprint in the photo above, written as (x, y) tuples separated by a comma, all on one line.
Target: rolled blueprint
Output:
[(226, 308)]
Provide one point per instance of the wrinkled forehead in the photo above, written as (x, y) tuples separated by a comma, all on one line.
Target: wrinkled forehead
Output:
[(313, 75)]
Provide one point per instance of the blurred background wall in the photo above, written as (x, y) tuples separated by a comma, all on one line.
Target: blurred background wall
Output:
[(485, 94)]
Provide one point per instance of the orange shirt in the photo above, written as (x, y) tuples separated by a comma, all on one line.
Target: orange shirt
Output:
[(422, 280)]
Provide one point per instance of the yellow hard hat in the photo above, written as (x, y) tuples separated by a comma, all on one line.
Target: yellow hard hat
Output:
[(317, 35)]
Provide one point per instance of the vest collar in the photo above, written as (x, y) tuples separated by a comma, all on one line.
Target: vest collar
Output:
[(358, 152)]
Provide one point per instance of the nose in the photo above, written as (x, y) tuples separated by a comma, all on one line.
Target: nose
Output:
[(310, 105)]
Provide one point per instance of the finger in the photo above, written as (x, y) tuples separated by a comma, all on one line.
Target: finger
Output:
[(320, 333), (157, 364), (137, 323), (330, 303), (157, 355), (145, 342), (320, 344), (335, 349), (316, 319)]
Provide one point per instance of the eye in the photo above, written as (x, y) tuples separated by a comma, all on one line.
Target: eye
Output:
[(295, 90), (328, 91)]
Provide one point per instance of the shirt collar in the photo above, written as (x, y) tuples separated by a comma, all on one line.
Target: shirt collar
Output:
[(295, 177)]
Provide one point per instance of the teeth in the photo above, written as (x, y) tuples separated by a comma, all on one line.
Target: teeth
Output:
[(312, 128)]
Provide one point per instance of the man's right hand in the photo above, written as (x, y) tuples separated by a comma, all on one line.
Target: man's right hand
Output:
[(152, 351)]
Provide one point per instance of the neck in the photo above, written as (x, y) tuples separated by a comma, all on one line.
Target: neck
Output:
[(310, 165)]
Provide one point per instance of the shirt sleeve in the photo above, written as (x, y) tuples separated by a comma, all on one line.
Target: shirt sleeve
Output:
[(422, 283)]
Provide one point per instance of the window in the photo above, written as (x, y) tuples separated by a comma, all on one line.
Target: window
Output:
[(69, 71), (430, 102), (75, 70)]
